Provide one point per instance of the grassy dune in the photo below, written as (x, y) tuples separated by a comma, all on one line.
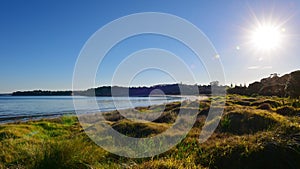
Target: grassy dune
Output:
[(261, 132)]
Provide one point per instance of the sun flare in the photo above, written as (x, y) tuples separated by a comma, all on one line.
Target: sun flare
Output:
[(266, 37)]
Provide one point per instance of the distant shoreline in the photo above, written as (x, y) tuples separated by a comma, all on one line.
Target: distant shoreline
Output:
[(167, 89), (4, 94)]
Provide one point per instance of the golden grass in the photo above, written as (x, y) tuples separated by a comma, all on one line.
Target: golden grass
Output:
[(248, 136)]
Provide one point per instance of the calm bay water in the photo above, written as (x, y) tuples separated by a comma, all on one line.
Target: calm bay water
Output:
[(14, 108)]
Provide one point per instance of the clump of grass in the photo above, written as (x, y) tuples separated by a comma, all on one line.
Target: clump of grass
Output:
[(257, 150), (225, 123), (287, 111), (7, 135), (239, 100), (272, 103), (170, 163), (265, 106), (113, 116), (69, 120), (296, 104), (246, 122), (242, 103), (68, 154), (167, 107), (139, 129), (248, 154), (166, 117)]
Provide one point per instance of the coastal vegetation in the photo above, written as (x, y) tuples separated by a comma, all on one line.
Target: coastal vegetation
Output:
[(275, 85), (168, 89), (254, 132)]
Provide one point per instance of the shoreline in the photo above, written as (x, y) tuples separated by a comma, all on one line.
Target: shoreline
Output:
[(25, 118), (7, 119), (21, 119)]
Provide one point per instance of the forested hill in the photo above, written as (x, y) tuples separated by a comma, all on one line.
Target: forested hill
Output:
[(287, 85), (42, 93), (168, 89)]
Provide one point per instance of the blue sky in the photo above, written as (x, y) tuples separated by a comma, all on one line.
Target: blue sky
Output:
[(41, 40)]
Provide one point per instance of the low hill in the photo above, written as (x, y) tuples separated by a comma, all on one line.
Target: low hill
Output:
[(287, 85)]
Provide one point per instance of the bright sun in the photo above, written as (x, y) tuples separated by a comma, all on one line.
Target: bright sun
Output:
[(266, 37)]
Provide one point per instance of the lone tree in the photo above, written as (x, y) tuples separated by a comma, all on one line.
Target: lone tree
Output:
[(214, 83), (274, 75)]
